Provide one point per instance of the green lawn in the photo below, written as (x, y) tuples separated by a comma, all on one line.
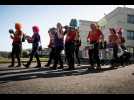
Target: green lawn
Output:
[(6, 60)]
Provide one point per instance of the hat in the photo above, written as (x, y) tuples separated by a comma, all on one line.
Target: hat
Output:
[(18, 26), (36, 29)]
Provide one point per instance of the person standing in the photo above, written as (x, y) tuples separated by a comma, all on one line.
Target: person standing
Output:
[(102, 50), (70, 47), (113, 42), (121, 39), (51, 46), (122, 45), (93, 39), (35, 39), (59, 45), (16, 45), (77, 46)]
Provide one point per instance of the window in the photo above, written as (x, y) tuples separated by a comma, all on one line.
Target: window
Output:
[(130, 19), (130, 35)]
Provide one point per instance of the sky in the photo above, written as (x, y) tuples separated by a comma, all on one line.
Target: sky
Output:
[(45, 16)]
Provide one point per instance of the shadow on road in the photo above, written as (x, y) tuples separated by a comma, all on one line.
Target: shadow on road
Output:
[(33, 73)]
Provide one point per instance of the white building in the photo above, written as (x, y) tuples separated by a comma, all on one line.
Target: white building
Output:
[(120, 17)]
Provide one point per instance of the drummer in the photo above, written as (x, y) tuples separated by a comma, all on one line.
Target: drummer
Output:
[(93, 39)]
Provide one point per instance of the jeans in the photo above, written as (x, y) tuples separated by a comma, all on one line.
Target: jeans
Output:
[(69, 51), (16, 51), (94, 55), (57, 57), (34, 53), (77, 54)]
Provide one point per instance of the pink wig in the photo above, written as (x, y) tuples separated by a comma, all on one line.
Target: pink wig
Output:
[(35, 29)]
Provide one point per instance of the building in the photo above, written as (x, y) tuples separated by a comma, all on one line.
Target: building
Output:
[(121, 17)]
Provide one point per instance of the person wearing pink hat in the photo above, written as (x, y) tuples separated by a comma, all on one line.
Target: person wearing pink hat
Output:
[(35, 39)]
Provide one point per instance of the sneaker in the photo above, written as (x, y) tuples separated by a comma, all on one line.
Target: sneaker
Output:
[(38, 66), (18, 65), (91, 68), (78, 64), (11, 66), (46, 65), (71, 68), (53, 68), (61, 67), (98, 68), (26, 65), (112, 66)]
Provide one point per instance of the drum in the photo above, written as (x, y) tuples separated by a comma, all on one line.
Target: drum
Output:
[(109, 53), (90, 46)]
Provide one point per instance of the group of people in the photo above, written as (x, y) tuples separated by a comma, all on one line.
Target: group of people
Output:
[(57, 43), (67, 38), (18, 37), (98, 47)]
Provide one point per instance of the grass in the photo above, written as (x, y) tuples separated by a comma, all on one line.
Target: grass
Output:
[(7, 60)]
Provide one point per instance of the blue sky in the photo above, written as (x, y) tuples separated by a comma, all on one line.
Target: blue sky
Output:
[(45, 16)]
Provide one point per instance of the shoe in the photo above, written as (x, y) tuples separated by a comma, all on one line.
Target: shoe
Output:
[(11, 66), (98, 68), (91, 68), (26, 65), (53, 68), (71, 68), (18, 65), (46, 65), (61, 67), (78, 64), (38, 66), (123, 65), (112, 66)]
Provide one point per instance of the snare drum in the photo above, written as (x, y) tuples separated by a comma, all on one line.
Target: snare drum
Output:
[(90, 46)]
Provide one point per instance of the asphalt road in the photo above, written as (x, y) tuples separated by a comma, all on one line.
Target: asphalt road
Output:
[(78, 81)]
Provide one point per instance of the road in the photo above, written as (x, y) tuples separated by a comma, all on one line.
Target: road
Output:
[(78, 81)]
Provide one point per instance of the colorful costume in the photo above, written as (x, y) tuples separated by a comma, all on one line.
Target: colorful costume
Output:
[(70, 47), (17, 44), (35, 39)]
